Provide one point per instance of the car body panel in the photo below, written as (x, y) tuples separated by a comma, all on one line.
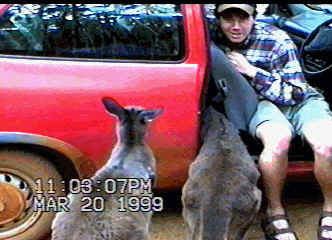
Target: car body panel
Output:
[(61, 99), (3, 8)]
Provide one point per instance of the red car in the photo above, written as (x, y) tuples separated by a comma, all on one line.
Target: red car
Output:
[(57, 62)]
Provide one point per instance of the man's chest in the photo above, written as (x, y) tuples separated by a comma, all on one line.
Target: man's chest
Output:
[(259, 58)]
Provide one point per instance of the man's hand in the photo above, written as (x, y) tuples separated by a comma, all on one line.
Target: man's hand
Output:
[(241, 64)]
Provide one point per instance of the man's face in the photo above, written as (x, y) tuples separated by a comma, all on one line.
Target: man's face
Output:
[(236, 24)]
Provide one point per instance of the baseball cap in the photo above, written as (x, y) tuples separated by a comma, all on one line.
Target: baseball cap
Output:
[(248, 8)]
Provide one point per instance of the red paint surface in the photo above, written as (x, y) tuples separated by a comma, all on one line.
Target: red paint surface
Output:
[(3, 8), (62, 100)]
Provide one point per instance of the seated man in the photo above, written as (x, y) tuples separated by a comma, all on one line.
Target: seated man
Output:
[(287, 105)]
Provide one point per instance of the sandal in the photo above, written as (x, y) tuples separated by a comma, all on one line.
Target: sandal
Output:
[(323, 228), (271, 231)]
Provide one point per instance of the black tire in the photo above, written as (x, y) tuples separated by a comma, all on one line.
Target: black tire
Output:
[(19, 171)]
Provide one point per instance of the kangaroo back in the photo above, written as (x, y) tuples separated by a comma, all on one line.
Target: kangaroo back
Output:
[(131, 159)]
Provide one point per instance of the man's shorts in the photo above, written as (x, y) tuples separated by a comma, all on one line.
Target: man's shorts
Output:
[(295, 117)]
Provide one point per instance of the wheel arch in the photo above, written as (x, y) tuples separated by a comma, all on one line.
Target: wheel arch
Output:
[(68, 160)]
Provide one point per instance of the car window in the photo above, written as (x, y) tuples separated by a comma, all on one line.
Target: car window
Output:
[(211, 20), (98, 31), (320, 6)]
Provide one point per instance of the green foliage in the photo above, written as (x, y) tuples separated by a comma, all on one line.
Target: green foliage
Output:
[(113, 31)]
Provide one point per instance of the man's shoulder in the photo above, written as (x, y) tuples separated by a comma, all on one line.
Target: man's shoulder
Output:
[(267, 31)]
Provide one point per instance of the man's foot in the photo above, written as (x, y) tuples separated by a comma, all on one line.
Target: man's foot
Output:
[(324, 231), (278, 228)]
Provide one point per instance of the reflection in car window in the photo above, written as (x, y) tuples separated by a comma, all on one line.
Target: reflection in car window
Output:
[(102, 31), (211, 20), (320, 6)]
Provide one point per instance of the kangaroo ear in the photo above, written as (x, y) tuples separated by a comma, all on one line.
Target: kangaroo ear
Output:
[(150, 115), (114, 108)]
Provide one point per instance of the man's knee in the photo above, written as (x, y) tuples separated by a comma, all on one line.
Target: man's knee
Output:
[(318, 135), (275, 137), (323, 150)]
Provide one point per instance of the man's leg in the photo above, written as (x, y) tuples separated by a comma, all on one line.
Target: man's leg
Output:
[(313, 120), (274, 130), (318, 134), (273, 163)]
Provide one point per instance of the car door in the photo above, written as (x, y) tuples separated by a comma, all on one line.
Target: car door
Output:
[(59, 60)]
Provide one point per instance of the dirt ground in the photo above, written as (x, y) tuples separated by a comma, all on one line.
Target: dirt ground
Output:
[(303, 201)]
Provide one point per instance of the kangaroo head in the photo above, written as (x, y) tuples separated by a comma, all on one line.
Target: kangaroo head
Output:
[(133, 121), (134, 159)]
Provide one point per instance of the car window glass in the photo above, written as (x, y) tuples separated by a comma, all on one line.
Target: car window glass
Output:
[(102, 31), (211, 20)]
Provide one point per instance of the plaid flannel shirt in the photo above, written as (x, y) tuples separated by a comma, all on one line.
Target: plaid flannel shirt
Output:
[(280, 78)]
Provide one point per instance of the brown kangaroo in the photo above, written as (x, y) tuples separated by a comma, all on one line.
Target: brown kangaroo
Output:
[(220, 198), (131, 158)]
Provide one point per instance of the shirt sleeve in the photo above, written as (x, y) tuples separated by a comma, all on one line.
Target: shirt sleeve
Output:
[(285, 83)]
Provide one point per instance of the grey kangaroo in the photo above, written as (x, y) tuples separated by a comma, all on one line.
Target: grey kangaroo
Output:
[(220, 198), (131, 158)]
